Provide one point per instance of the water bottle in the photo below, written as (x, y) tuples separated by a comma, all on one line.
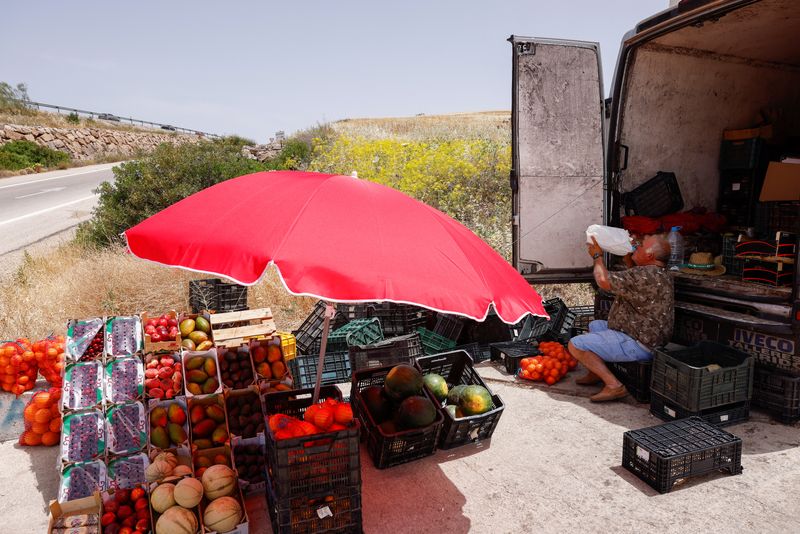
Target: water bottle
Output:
[(675, 240)]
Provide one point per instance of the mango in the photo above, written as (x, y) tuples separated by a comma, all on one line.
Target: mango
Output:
[(176, 414), (194, 363), (221, 459), (216, 413), (186, 327), (176, 433), (203, 443), (202, 324), (264, 370), (210, 386), (159, 437), (220, 435), (210, 367), (188, 344), (278, 369), (198, 337), (204, 428), (197, 413), (203, 461), (205, 345), (158, 417), (274, 354), (194, 389), (197, 376)]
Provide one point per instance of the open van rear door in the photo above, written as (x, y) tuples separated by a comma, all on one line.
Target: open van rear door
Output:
[(558, 159)]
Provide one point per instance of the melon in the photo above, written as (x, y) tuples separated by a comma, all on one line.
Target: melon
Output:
[(176, 520), (182, 470), (218, 481), (163, 498), (157, 470), (416, 412), (403, 381), (437, 385), (167, 457), (475, 400), (188, 492), (223, 514)]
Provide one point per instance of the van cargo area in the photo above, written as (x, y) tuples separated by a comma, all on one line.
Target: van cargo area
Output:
[(702, 131)]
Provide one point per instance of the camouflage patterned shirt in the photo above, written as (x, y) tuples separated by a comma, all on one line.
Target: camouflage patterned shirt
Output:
[(644, 304)]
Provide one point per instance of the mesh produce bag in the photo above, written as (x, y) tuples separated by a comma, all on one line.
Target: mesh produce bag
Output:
[(49, 355), (18, 368), (42, 419)]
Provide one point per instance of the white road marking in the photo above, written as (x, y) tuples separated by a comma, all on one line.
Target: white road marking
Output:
[(59, 206), (54, 178), (42, 192)]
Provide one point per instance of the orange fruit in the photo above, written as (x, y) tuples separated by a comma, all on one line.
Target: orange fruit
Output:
[(42, 399), (524, 374), (43, 415), (50, 438), (54, 411), (308, 428), (40, 428), (310, 412), (536, 376), (550, 380), (343, 414), (525, 362), (55, 424), (32, 439), (530, 368), (324, 418)]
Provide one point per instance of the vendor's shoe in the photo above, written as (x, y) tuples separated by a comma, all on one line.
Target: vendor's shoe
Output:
[(609, 394), (589, 379)]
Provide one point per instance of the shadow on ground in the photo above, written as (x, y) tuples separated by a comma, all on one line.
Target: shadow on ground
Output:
[(760, 435)]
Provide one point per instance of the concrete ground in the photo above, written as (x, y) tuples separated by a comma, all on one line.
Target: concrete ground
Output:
[(553, 465)]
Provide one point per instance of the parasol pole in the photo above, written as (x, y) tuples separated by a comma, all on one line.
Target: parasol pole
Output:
[(330, 311)]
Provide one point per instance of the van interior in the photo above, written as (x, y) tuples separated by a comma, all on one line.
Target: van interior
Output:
[(690, 91)]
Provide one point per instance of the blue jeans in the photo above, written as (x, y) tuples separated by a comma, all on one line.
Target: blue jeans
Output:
[(611, 345)]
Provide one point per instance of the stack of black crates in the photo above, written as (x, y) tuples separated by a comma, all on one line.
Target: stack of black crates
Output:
[(742, 165), (313, 485), (709, 380)]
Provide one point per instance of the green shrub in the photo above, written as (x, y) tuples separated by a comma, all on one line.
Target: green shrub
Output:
[(465, 178), (73, 118), (16, 155), (147, 185)]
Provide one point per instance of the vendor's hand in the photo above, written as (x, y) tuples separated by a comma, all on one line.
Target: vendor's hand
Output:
[(594, 248)]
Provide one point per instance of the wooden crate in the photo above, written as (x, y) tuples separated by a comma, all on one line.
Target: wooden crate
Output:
[(237, 328)]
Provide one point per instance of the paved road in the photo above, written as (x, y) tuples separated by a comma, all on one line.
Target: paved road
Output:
[(35, 207)]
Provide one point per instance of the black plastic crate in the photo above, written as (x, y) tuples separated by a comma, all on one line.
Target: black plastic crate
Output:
[(433, 343), (583, 315), (449, 326), (683, 376), (400, 349), (310, 332), (309, 465), (335, 369), (743, 154), (733, 265), (456, 368), (215, 295), (664, 454), (337, 511), (729, 414), (478, 353), (660, 195), (559, 324), (396, 319), (635, 376), (511, 352), (388, 450), (774, 217), (778, 393)]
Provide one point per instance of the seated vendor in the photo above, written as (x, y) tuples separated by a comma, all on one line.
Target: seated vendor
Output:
[(640, 319)]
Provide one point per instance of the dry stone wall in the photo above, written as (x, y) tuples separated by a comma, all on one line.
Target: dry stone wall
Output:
[(90, 143)]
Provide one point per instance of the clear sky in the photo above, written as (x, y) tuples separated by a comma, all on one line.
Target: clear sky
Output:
[(255, 67)]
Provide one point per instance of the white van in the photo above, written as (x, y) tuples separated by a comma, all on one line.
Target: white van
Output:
[(683, 77)]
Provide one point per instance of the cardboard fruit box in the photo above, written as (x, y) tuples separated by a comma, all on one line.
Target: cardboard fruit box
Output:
[(205, 315), (155, 403), (200, 416), (83, 512), (244, 524), (190, 378), (156, 346), (264, 355)]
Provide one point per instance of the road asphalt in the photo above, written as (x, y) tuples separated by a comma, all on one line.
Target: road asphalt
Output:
[(553, 465), (38, 207)]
